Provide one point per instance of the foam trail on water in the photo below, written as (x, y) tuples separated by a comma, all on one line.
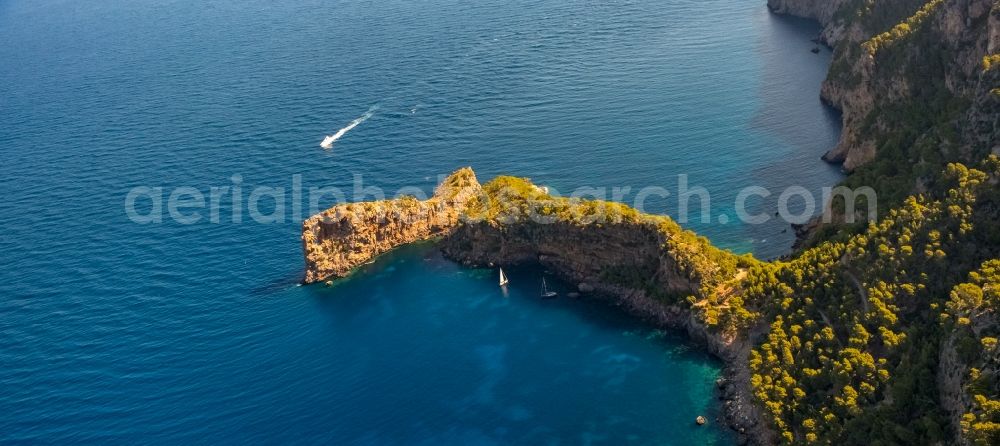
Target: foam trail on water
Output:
[(329, 140)]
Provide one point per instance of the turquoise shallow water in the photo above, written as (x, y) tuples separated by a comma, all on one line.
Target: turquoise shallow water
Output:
[(116, 332)]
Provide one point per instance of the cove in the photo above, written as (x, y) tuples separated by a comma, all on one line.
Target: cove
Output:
[(505, 366)]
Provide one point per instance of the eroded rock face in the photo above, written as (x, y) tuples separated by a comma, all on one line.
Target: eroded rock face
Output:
[(586, 255), (345, 236)]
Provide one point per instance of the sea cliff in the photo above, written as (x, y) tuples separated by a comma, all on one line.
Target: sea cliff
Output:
[(909, 72)]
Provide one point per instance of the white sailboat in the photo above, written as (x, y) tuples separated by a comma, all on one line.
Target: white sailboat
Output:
[(545, 291), (503, 278)]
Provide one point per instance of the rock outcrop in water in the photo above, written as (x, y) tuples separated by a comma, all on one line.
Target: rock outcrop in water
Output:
[(345, 236)]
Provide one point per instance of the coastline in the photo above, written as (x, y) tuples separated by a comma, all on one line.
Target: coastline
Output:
[(363, 231), (155, 292), (590, 255)]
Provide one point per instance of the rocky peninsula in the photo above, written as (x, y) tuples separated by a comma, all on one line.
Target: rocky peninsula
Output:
[(644, 263), (880, 332)]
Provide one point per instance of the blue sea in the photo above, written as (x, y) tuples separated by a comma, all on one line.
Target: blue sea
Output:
[(118, 332)]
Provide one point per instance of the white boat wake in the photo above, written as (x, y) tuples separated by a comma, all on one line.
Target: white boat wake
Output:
[(329, 140)]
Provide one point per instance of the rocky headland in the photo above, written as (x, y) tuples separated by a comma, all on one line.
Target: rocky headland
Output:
[(867, 334), (348, 235), (646, 264)]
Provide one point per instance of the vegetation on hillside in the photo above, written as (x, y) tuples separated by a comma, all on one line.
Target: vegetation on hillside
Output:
[(901, 30), (853, 346), (918, 123), (858, 324), (971, 317)]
